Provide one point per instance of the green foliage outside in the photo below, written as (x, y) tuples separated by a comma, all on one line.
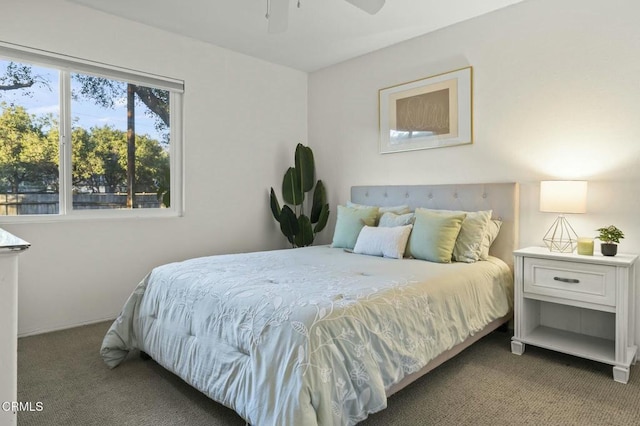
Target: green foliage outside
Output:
[(104, 92), (29, 156)]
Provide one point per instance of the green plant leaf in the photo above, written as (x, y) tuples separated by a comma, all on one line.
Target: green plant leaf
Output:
[(319, 200), (322, 219), (304, 237), (610, 234), (305, 167), (288, 223), (291, 191), (275, 205)]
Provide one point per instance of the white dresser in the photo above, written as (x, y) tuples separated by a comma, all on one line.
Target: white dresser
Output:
[(10, 248), (579, 305)]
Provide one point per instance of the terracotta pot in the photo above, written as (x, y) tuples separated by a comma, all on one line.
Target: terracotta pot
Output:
[(609, 249)]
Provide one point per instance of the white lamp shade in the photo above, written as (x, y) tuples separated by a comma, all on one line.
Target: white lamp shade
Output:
[(563, 196)]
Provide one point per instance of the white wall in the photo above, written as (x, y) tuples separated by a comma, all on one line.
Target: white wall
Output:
[(555, 97), (243, 118)]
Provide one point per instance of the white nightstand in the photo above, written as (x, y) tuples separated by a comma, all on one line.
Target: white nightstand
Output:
[(579, 305), (10, 247)]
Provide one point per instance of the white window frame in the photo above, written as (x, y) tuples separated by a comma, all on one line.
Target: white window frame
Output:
[(68, 65)]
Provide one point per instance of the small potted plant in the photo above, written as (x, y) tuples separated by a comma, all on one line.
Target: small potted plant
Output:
[(609, 238)]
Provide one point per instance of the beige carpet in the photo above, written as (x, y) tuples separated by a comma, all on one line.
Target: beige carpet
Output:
[(485, 385)]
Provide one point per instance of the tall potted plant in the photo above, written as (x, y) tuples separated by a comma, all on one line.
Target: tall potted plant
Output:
[(300, 228), (609, 238)]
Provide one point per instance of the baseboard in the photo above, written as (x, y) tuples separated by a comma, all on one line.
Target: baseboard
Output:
[(64, 327)]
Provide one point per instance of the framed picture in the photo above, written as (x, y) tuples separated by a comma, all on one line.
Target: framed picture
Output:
[(430, 113)]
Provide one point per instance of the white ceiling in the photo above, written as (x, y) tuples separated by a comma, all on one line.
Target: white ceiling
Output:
[(321, 32)]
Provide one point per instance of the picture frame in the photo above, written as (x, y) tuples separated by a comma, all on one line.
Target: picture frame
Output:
[(432, 112)]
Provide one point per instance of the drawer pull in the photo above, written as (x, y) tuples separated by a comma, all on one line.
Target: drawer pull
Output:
[(567, 280)]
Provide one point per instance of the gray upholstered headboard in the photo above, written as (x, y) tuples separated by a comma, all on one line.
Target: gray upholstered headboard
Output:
[(502, 198)]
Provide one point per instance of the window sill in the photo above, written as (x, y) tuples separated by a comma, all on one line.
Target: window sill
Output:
[(135, 214)]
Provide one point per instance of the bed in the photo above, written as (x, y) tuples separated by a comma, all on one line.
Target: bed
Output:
[(319, 335)]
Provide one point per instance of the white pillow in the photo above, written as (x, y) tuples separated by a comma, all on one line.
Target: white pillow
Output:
[(392, 219), (492, 232), (386, 242)]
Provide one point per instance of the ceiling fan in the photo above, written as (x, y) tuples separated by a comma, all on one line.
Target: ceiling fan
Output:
[(278, 12)]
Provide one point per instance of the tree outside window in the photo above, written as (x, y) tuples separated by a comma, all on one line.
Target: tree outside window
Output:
[(120, 140)]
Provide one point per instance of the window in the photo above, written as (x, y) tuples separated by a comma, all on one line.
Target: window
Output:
[(76, 137)]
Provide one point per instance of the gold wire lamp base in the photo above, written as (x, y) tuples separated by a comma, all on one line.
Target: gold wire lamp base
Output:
[(561, 237)]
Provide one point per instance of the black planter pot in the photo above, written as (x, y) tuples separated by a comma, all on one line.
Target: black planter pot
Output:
[(609, 249)]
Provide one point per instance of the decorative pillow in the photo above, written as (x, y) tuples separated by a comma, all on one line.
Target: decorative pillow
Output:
[(349, 223), (492, 232), (468, 247), (434, 235), (386, 242), (402, 209), (391, 219)]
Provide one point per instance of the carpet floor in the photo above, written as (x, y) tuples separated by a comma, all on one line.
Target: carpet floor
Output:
[(484, 385)]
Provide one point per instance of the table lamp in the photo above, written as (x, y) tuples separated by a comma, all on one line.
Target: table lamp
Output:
[(562, 196)]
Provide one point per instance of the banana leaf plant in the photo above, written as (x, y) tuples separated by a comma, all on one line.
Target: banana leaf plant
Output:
[(300, 228)]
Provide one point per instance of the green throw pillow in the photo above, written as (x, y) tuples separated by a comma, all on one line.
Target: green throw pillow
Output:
[(434, 236), (402, 209), (350, 222), (468, 245)]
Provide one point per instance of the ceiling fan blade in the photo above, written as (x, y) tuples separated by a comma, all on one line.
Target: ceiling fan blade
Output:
[(278, 16), (369, 6)]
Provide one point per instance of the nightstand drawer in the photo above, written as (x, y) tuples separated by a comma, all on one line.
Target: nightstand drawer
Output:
[(571, 280)]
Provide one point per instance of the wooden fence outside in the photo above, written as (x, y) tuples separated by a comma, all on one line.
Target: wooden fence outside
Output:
[(30, 204)]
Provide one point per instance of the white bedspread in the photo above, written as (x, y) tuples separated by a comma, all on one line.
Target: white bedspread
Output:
[(305, 336)]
